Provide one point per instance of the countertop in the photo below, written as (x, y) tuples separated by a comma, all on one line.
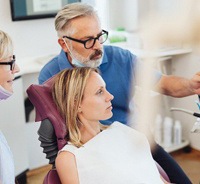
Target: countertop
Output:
[(35, 64)]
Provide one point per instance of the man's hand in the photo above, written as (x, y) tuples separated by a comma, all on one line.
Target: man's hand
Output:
[(195, 83), (178, 86)]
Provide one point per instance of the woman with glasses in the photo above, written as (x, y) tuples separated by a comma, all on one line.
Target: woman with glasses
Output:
[(7, 70)]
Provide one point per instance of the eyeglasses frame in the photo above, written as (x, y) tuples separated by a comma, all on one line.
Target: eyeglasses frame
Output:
[(11, 63), (84, 42)]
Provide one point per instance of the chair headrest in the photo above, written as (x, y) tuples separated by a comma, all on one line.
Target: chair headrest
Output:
[(41, 97)]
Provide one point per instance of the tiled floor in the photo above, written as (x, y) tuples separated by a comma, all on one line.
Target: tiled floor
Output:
[(190, 163)]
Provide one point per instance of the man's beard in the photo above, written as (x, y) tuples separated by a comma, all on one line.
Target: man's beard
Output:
[(89, 61)]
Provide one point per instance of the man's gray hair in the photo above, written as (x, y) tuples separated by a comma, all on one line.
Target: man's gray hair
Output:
[(69, 12)]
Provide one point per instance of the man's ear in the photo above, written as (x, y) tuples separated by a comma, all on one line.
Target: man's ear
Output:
[(63, 45)]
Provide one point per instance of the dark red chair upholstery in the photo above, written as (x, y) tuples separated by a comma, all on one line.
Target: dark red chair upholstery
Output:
[(52, 177), (52, 131), (41, 98)]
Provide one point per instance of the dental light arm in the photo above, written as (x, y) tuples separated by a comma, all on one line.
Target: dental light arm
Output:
[(186, 111), (196, 126)]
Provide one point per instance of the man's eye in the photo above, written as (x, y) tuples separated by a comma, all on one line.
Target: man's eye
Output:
[(90, 40)]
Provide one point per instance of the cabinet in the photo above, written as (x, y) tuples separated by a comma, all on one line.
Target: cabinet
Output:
[(176, 147), (165, 59)]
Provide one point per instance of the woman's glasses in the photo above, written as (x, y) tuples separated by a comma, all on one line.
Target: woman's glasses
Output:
[(11, 63)]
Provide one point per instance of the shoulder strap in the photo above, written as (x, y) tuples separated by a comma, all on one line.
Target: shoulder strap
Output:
[(69, 147)]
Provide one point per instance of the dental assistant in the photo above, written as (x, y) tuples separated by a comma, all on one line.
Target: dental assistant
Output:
[(7, 70)]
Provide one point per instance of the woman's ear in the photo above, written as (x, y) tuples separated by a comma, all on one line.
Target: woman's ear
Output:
[(63, 45), (79, 109)]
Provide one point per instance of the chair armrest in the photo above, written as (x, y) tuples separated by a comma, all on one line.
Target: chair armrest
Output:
[(162, 172), (52, 177)]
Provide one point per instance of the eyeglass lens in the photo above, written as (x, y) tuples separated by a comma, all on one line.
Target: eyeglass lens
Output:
[(9, 65), (102, 38), (12, 66)]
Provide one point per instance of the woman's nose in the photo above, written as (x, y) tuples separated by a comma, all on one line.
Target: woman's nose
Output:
[(16, 69), (110, 96)]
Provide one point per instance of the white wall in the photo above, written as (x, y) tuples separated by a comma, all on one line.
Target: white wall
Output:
[(31, 37), (35, 38), (187, 67), (123, 13)]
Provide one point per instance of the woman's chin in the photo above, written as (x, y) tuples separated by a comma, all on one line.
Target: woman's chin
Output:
[(9, 88), (108, 116)]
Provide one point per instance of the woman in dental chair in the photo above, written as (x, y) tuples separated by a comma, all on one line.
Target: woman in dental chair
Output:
[(95, 153)]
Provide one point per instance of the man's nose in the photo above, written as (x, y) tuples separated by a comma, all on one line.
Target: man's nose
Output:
[(97, 45)]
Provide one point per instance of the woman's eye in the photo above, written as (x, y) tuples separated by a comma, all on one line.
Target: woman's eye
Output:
[(100, 91)]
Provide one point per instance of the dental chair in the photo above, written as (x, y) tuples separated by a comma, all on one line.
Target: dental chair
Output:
[(52, 132)]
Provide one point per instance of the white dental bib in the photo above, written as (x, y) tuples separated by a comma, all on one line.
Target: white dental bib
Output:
[(118, 155)]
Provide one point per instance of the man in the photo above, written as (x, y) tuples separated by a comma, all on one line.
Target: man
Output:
[(81, 38)]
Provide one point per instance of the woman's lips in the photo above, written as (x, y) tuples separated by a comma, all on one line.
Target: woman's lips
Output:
[(110, 107), (10, 81)]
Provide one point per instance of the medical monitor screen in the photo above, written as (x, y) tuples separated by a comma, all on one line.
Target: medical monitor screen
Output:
[(36, 9)]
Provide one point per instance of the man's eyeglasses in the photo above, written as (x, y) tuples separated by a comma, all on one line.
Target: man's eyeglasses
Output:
[(89, 43), (11, 63)]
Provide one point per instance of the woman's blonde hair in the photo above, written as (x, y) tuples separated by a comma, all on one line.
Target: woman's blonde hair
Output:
[(68, 90), (6, 45)]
